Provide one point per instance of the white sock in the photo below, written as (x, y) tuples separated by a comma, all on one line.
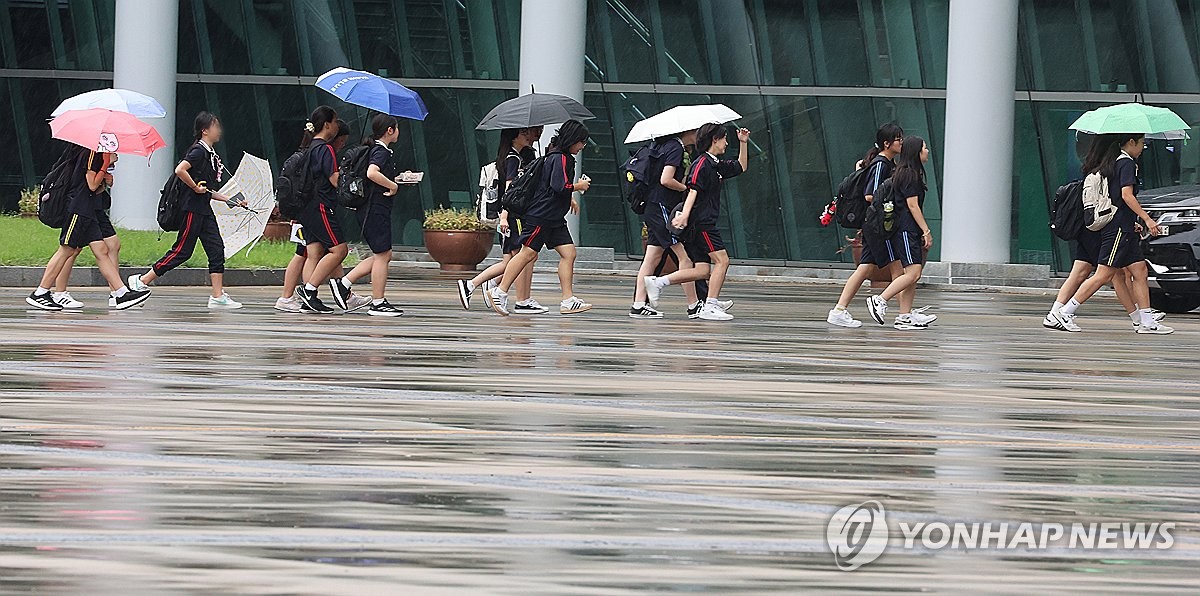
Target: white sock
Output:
[(1136, 317), (309, 287), (1070, 307), (376, 301), (637, 305), (1057, 306), (663, 281), (346, 283), (694, 304), (712, 301), (1148, 318), (470, 286), (839, 307), (524, 302), (121, 292)]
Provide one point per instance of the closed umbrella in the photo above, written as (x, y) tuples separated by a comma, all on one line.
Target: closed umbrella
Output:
[(1154, 122), (373, 92), (107, 131), (117, 100), (680, 119), (534, 109)]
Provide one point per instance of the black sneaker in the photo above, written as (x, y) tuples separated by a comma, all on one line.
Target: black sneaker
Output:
[(131, 299), (464, 294), (341, 294), (644, 312), (309, 298), (43, 302), (384, 309), (694, 310)]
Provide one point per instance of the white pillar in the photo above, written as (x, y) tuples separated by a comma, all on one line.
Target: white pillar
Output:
[(552, 57), (144, 60), (977, 159)]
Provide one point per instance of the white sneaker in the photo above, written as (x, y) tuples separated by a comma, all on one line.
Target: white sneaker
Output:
[(134, 282), (289, 304), (725, 305), (920, 318), (224, 302), (529, 307), (1056, 319), (842, 318), (355, 302), (573, 305), (877, 307), (711, 312), (65, 300), (498, 301), (906, 323), (653, 289), (1156, 329)]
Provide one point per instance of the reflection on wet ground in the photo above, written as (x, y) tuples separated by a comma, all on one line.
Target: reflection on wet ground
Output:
[(173, 449)]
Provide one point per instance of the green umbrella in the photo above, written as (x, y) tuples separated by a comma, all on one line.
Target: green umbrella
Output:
[(1155, 123)]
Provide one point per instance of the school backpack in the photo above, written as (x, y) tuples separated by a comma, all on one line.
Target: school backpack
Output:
[(294, 186), (850, 205), (1066, 216), (56, 190), (519, 196), (635, 178), (1098, 208), (352, 179), (883, 213), (170, 204)]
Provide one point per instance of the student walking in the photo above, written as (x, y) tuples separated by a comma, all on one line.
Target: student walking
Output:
[(911, 238), (514, 154), (321, 229), (667, 170), (376, 219), (544, 223), (1113, 157), (109, 233), (702, 240), (83, 229)]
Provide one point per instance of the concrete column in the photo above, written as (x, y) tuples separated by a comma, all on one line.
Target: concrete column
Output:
[(978, 156), (144, 60), (552, 57)]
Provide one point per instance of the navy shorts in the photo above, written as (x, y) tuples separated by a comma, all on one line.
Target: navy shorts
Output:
[(320, 225), (1119, 247), (301, 250), (376, 222), (908, 248), (877, 251), (539, 237), (511, 243), (659, 231), (1086, 247), (700, 244), (106, 227), (80, 231)]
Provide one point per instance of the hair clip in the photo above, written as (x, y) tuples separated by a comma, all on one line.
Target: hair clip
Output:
[(310, 127)]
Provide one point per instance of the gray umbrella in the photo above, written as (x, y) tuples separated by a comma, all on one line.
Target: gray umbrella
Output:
[(534, 109)]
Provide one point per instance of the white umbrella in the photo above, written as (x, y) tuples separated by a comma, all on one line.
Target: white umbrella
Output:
[(117, 100), (241, 227), (680, 119)]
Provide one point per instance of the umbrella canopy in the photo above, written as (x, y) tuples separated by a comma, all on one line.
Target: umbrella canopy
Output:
[(107, 131), (373, 92), (680, 119), (1154, 122), (534, 109), (242, 226), (117, 100)]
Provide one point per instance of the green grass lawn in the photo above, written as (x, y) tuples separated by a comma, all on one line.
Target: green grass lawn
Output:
[(26, 241)]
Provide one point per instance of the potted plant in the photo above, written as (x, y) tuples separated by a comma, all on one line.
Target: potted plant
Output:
[(28, 205), (456, 239), (278, 229)]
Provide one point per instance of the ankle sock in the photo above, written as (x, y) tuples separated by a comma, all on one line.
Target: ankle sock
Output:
[(1136, 317), (121, 291), (1070, 307), (310, 288), (346, 283), (41, 291), (637, 305), (1148, 317), (1057, 306), (377, 301)]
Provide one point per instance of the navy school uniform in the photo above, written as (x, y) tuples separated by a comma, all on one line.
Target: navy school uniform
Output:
[(706, 177), (661, 200), (545, 223), (198, 223), (908, 240), (514, 163), (1120, 245), (877, 251), (320, 224), (83, 227), (376, 217)]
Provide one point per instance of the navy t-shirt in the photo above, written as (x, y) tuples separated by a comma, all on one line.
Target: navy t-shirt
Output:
[(706, 178), (380, 157), (903, 192), (82, 200), (202, 169), (881, 169), (667, 153), (1124, 174), (552, 199), (322, 165)]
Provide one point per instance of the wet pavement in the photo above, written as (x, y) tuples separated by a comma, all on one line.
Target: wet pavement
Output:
[(173, 449)]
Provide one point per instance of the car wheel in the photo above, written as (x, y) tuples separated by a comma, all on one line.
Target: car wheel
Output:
[(1174, 303)]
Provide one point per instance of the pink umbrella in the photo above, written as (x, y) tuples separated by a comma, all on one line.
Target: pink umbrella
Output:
[(107, 131)]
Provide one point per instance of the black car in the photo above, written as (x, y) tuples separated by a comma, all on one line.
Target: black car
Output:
[(1174, 256)]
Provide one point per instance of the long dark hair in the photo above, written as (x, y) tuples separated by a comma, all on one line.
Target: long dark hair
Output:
[(707, 135), (343, 129), (507, 137), (317, 121), (204, 121), (886, 134), (1102, 155), (379, 127), (571, 132), (909, 170)]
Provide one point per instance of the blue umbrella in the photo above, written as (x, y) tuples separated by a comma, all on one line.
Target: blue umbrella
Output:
[(373, 92)]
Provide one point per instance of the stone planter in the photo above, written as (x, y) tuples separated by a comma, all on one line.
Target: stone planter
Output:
[(458, 250), (278, 231)]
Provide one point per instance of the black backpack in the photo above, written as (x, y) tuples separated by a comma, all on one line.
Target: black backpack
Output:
[(56, 189), (352, 181), (294, 186), (635, 177), (170, 204), (519, 196), (1066, 216), (883, 212), (851, 198)]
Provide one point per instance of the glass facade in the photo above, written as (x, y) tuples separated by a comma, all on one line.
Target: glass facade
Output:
[(812, 78)]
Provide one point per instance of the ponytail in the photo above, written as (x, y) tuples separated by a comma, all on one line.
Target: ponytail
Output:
[(379, 127), (316, 123), (887, 133), (507, 137)]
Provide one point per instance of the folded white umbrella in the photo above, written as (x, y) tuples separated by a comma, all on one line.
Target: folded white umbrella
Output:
[(117, 100), (680, 119)]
